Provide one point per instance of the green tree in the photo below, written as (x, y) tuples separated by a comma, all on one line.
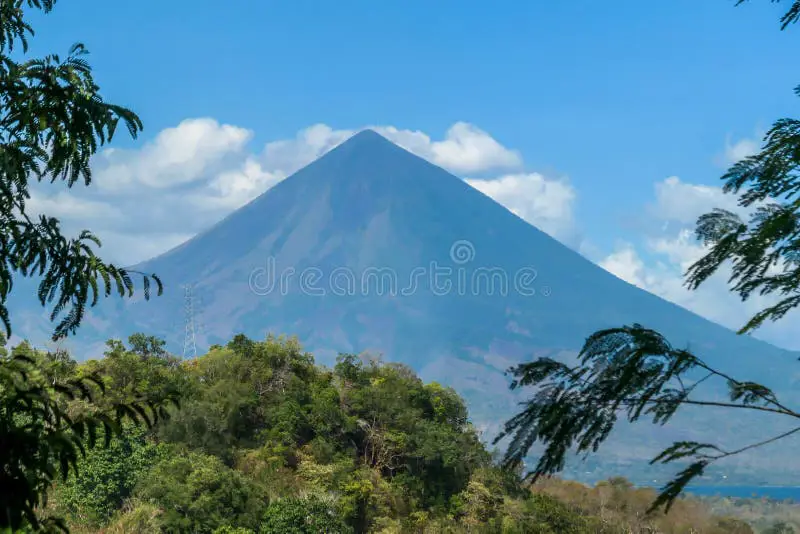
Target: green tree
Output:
[(131, 372), (52, 120), (636, 371), (549, 516), (46, 426), (198, 493), (303, 516), (781, 527), (145, 345), (108, 476)]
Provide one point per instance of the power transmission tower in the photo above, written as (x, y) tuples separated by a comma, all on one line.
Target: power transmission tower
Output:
[(189, 342)]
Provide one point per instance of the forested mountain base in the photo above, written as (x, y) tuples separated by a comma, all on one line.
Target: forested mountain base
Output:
[(266, 441)]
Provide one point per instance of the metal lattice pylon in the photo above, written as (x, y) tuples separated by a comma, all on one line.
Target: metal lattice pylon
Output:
[(189, 341)]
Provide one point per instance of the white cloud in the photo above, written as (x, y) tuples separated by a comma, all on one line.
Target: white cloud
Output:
[(682, 202), (234, 188), (290, 155), (658, 263), (664, 276), (681, 250), (625, 264), (465, 148), (176, 156), (66, 205), (547, 204), (740, 150)]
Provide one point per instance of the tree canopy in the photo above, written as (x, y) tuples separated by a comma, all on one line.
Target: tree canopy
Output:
[(53, 119), (268, 441)]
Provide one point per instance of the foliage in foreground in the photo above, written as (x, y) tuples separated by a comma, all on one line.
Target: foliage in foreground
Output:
[(634, 372), (50, 415), (266, 441), (53, 119)]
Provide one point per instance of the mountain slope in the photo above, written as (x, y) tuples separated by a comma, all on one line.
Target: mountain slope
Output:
[(352, 254)]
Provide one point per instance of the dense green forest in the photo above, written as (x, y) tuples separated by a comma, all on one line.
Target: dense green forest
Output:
[(265, 440)]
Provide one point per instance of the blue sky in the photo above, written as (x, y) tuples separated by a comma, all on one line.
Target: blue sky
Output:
[(608, 99)]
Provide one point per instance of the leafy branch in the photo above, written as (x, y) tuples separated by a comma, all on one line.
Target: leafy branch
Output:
[(790, 17), (634, 371), (764, 253), (52, 120), (43, 434), (631, 371)]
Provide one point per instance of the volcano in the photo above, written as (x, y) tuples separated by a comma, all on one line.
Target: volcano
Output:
[(373, 249)]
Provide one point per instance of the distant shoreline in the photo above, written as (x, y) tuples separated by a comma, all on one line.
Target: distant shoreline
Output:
[(779, 493)]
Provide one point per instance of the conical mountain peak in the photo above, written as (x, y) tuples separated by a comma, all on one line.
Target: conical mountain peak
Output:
[(367, 136), (365, 147), (371, 247)]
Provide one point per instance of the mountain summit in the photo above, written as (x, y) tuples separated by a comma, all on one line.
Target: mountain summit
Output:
[(371, 248), (367, 136)]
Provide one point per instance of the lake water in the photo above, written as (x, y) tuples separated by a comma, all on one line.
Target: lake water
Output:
[(775, 492)]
